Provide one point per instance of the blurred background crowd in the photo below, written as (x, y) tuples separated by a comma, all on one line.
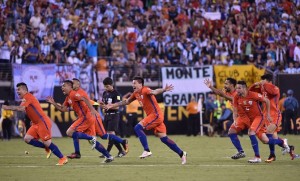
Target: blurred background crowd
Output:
[(133, 37)]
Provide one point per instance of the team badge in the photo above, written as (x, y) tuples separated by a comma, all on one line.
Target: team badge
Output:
[(245, 103), (250, 102)]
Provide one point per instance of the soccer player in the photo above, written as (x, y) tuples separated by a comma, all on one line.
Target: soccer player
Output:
[(272, 92), (230, 92), (100, 131), (248, 114), (84, 126), (41, 123), (154, 119)]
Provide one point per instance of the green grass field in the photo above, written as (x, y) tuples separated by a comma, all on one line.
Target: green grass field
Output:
[(208, 159)]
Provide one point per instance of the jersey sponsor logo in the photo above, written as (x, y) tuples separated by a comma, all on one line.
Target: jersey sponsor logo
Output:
[(109, 101)]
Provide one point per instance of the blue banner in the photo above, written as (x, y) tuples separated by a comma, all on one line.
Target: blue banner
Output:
[(39, 79)]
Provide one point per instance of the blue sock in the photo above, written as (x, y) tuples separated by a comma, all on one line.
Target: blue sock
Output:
[(112, 137), (281, 143), (143, 139), (171, 144), (76, 142), (81, 135), (36, 143), (55, 150), (102, 150), (236, 142), (271, 146), (254, 144)]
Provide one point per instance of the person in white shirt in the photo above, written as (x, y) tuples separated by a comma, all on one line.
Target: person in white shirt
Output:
[(297, 53), (291, 69), (72, 59)]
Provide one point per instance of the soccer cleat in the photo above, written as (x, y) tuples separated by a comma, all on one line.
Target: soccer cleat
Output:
[(292, 152), (108, 160), (125, 145), (145, 154), (93, 142), (48, 153), (238, 155), (74, 156), (183, 158), (121, 154), (271, 158), (62, 161), (254, 160), (286, 148)]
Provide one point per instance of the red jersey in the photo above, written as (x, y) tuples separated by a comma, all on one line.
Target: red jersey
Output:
[(249, 105), (74, 100), (83, 93), (231, 94), (147, 101), (33, 109), (271, 92)]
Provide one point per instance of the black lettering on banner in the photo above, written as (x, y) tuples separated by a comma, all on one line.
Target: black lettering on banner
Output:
[(170, 73), (181, 99), (187, 72)]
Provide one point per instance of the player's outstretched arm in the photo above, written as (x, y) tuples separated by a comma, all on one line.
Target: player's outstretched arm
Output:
[(219, 92), (14, 108), (92, 109), (118, 104), (162, 90), (58, 106)]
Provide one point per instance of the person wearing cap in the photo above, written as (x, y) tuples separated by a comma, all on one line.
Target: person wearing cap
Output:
[(291, 106)]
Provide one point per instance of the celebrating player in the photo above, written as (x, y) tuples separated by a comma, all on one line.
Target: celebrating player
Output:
[(84, 126), (41, 123), (272, 92), (100, 131), (154, 119)]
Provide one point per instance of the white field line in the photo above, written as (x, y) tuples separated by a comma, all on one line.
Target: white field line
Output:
[(128, 165)]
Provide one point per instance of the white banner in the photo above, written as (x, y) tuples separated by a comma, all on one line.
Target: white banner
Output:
[(39, 79), (187, 82)]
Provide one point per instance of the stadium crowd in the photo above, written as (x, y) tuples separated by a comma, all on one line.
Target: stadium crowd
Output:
[(144, 34)]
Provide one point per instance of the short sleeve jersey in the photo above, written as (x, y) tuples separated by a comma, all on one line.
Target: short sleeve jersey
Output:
[(33, 108), (249, 105), (147, 101), (111, 97), (74, 100)]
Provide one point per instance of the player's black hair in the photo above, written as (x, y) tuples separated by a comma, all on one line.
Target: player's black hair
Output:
[(108, 81), (268, 77), (22, 84), (241, 82), (232, 81), (68, 82), (139, 80), (76, 79)]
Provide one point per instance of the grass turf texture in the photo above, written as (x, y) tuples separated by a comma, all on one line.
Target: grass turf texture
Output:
[(208, 159)]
